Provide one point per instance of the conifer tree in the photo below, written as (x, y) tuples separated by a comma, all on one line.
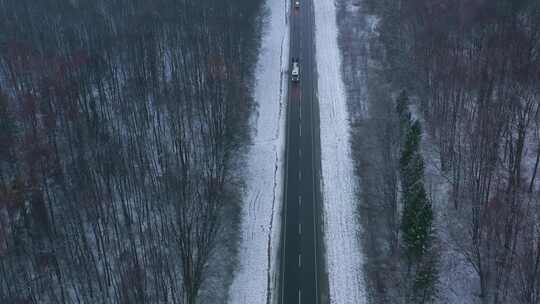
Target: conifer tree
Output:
[(417, 215)]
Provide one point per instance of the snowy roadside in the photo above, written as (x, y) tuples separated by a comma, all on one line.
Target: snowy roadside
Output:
[(257, 272), (341, 227)]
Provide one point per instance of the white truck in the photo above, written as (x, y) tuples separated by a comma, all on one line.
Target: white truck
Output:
[(295, 73)]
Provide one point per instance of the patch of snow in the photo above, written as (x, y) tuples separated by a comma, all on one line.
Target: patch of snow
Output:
[(341, 235), (257, 275)]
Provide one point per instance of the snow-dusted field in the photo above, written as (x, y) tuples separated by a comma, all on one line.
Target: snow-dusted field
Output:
[(343, 253), (261, 216)]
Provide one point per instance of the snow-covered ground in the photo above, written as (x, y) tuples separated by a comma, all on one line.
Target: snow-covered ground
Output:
[(257, 274), (343, 252)]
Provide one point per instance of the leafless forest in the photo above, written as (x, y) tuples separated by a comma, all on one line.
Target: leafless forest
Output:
[(470, 70), (121, 123)]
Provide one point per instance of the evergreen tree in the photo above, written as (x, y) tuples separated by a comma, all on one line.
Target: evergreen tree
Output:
[(424, 287), (7, 128), (402, 104), (408, 152), (417, 216)]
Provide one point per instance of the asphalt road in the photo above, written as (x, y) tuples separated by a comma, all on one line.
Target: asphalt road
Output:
[(300, 243)]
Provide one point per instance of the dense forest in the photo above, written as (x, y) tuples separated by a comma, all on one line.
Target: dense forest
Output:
[(455, 83), (121, 125)]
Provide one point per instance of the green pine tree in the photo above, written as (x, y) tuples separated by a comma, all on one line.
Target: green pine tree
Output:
[(7, 128), (417, 216), (424, 286), (402, 105), (410, 149)]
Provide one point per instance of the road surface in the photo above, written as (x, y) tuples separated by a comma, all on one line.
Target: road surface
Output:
[(301, 261)]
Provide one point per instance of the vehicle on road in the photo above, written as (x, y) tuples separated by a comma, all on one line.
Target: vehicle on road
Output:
[(297, 4), (295, 73)]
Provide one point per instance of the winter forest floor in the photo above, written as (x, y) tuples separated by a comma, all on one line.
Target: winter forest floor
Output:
[(122, 128), (374, 75), (372, 104)]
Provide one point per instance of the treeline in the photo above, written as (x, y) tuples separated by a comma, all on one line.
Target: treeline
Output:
[(473, 68), (120, 122)]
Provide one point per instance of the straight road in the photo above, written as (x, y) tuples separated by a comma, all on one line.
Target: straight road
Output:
[(300, 263)]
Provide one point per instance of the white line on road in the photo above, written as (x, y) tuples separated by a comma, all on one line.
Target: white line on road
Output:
[(300, 152), (299, 260), (299, 228), (300, 129), (300, 200), (299, 175), (299, 296)]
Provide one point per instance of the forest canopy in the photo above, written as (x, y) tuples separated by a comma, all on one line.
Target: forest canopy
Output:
[(119, 121)]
